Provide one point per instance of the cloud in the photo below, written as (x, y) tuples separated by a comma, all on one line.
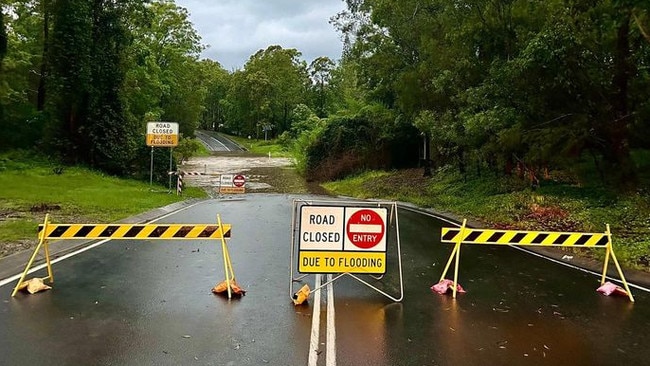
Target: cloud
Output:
[(236, 29)]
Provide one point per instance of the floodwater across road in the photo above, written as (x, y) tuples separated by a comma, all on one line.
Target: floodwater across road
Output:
[(145, 302)]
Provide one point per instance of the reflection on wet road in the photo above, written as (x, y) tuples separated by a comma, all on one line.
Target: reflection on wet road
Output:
[(149, 303)]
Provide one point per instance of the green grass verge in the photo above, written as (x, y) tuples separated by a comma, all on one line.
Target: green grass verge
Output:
[(261, 146), (510, 203), (32, 188), (203, 151)]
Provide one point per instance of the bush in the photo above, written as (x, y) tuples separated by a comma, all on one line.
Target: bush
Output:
[(371, 139), (186, 148)]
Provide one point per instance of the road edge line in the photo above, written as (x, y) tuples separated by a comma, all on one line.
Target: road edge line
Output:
[(315, 325), (330, 359), (85, 248)]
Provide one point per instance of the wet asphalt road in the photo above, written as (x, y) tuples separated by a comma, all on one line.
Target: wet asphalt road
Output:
[(214, 141), (149, 303)]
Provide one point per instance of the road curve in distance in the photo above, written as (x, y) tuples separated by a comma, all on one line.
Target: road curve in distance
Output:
[(215, 141)]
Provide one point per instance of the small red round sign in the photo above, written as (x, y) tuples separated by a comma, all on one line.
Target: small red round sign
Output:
[(239, 180), (365, 229)]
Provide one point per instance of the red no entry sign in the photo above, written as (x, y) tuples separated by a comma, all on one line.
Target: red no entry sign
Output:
[(239, 180), (365, 229)]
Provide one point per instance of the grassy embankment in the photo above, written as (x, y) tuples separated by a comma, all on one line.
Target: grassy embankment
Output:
[(510, 203), (32, 187), (262, 147)]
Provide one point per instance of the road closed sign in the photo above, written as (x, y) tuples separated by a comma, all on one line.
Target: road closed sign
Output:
[(342, 240), (230, 184), (162, 134)]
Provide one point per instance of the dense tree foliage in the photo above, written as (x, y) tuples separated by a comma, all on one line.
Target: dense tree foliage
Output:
[(82, 77), (263, 94), (496, 84), (506, 82)]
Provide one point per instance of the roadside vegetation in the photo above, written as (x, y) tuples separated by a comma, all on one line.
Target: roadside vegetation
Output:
[(34, 186), (519, 112), (261, 146), (508, 202)]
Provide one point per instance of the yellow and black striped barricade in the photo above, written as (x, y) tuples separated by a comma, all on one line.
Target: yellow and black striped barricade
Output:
[(48, 231), (465, 235)]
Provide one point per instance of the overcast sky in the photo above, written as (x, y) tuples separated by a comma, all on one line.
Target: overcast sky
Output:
[(236, 29)]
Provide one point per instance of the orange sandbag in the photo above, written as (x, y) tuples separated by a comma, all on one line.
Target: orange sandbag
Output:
[(222, 287), (34, 285)]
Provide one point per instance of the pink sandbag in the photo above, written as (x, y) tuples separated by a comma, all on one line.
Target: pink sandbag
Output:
[(445, 285), (609, 288)]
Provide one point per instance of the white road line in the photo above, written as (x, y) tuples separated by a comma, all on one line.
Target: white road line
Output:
[(72, 254), (638, 287), (330, 360), (315, 325), (422, 212), (222, 144)]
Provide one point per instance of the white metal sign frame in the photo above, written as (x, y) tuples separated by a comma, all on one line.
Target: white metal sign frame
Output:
[(295, 276)]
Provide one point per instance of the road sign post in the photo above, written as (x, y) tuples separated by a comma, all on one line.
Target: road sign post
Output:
[(343, 238)]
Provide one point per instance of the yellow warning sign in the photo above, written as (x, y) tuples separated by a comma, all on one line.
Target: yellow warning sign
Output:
[(342, 262), (162, 140), (232, 190), (163, 134)]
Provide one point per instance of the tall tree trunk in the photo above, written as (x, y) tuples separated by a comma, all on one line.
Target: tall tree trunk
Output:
[(40, 100), (618, 149), (427, 155), (3, 37)]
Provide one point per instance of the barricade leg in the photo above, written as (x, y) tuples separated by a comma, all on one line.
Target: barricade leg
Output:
[(451, 257), (50, 274), (610, 252), (224, 249), (41, 242), (456, 269), (455, 254)]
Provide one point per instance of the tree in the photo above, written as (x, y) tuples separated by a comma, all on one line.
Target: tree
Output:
[(70, 60), (22, 73), (278, 79), (3, 36), (541, 82), (320, 71), (218, 81)]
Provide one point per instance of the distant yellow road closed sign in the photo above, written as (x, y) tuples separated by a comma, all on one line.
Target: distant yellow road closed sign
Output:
[(342, 240), (162, 134)]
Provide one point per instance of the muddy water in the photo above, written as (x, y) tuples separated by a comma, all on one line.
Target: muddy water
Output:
[(263, 174)]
